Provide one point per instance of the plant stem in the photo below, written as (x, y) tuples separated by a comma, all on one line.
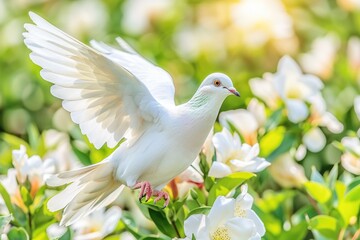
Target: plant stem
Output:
[(176, 230)]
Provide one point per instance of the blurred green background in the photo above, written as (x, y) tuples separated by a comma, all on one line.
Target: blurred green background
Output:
[(190, 39)]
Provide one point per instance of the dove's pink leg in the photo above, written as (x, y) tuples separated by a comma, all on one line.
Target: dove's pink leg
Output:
[(145, 190), (161, 194)]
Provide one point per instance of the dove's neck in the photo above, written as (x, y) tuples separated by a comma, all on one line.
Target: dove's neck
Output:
[(204, 108), (205, 102)]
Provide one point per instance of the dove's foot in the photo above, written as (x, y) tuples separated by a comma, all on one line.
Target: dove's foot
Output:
[(145, 190), (161, 194)]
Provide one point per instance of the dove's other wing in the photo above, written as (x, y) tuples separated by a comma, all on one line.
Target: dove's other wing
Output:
[(105, 99), (156, 79)]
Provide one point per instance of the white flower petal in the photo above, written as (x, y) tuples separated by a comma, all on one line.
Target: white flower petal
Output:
[(264, 89), (241, 119), (286, 172), (287, 65), (222, 210), (240, 228), (54, 231), (351, 163), (244, 201), (258, 110), (314, 140), (351, 144), (219, 170), (111, 219), (297, 110), (330, 121), (300, 152), (222, 142), (194, 224), (313, 82), (260, 228)]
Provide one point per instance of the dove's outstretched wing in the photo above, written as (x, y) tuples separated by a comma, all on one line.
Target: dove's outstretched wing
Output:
[(108, 100), (157, 80)]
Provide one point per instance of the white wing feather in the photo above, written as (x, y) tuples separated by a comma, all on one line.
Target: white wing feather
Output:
[(157, 80), (106, 99)]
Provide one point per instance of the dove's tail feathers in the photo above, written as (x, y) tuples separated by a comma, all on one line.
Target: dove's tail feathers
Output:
[(91, 188)]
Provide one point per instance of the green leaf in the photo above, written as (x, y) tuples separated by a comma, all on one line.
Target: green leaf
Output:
[(353, 195), (224, 185), (34, 136), (152, 238), (14, 141), (271, 200), (6, 198), (130, 226), (83, 157), (325, 225), (18, 234), (273, 120), (199, 210), (355, 182), (318, 191), (316, 176), (331, 179), (162, 222), (286, 144), (25, 195), (296, 232), (204, 166), (271, 141)]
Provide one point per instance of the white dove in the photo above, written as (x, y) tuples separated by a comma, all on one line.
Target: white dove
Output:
[(114, 94)]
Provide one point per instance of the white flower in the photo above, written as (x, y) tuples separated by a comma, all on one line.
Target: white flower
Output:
[(243, 209), (321, 58), (289, 84), (350, 160), (55, 231), (286, 172), (222, 222), (60, 151), (314, 140), (247, 122), (232, 156), (187, 180), (265, 89), (138, 14), (320, 117), (97, 225), (262, 20), (11, 185), (33, 168)]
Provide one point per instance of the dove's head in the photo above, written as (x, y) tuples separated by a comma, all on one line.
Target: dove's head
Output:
[(218, 84)]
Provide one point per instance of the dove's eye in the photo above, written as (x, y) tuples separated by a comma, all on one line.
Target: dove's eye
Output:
[(217, 83)]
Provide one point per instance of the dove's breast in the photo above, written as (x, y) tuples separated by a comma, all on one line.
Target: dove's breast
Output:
[(162, 153)]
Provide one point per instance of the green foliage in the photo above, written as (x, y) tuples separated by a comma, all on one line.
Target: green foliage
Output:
[(224, 185), (324, 205)]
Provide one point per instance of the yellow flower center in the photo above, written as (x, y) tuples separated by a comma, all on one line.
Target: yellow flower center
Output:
[(293, 93), (239, 212), (221, 233)]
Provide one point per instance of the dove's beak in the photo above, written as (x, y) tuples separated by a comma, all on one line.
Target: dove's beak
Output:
[(234, 91)]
